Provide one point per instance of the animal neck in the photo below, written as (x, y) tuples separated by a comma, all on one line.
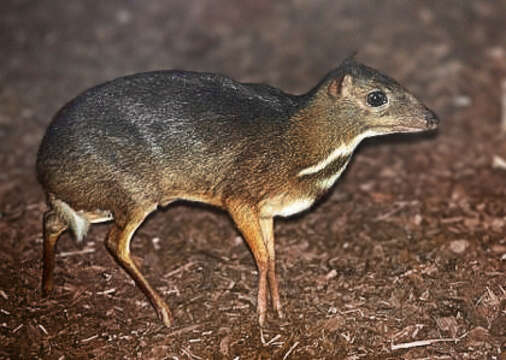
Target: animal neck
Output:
[(324, 140)]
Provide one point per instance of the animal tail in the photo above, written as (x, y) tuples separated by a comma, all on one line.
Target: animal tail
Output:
[(77, 223)]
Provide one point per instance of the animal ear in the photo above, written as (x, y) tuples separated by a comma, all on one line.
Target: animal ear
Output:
[(340, 86)]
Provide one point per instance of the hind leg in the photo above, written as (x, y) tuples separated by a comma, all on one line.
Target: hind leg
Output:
[(118, 243), (53, 228)]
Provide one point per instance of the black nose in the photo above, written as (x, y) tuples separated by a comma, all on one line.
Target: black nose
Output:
[(431, 119)]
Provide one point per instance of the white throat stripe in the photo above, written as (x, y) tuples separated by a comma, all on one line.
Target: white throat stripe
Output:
[(342, 150)]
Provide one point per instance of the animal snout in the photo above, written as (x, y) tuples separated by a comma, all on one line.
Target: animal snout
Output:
[(431, 119)]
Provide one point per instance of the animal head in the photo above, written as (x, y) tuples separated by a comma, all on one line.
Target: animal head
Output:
[(367, 103)]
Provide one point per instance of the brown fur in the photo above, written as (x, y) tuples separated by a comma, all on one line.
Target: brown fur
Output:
[(123, 148)]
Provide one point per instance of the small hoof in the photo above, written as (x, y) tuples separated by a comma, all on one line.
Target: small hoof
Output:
[(261, 319), (47, 289), (165, 317), (278, 308), (281, 315)]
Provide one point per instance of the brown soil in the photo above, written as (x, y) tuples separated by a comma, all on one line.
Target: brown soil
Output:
[(409, 247)]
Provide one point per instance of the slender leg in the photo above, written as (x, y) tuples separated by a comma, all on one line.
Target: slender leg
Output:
[(53, 228), (247, 221), (268, 234), (118, 243)]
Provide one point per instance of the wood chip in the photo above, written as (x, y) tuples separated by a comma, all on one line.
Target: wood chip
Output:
[(188, 353), (498, 162), (271, 341), (478, 336), (421, 343), (290, 350), (459, 246), (184, 267), (43, 329), (183, 330), (225, 345), (16, 329), (106, 292), (79, 252), (89, 339), (448, 324)]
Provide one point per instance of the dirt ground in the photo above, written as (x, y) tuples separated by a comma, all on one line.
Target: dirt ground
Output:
[(404, 259)]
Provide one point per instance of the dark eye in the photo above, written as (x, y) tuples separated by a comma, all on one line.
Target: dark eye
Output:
[(376, 98)]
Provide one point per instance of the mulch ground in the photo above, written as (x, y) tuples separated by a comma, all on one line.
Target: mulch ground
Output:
[(404, 259)]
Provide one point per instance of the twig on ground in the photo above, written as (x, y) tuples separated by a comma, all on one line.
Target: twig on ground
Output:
[(290, 350), (183, 330), (78, 252), (43, 329), (106, 292), (186, 266), (188, 353), (90, 338), (424, 343), (15, 330)]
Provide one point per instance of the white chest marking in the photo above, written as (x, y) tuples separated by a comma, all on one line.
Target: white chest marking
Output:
[(342, 150), (295, 207), (282, 206), (328, 182)]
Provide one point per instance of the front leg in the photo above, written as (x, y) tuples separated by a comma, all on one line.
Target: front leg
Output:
[(247, 220), (266, 223)]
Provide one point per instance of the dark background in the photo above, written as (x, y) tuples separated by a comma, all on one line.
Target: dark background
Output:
[(409, 245)]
